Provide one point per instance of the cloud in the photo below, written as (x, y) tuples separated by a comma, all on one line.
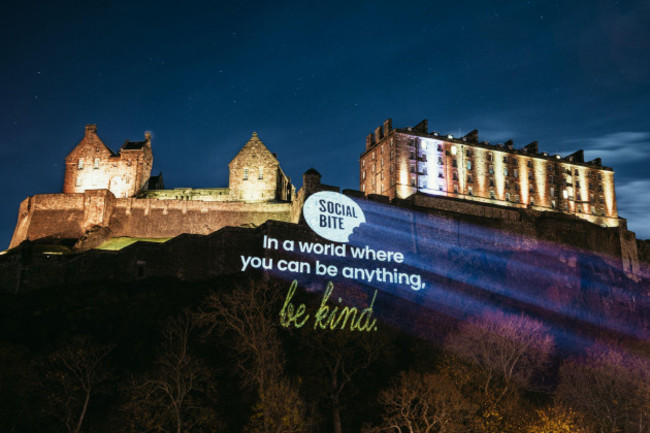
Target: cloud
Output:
[(614, 148), (633, 201)]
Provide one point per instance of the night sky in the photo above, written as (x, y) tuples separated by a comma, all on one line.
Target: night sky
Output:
[(314, 78)]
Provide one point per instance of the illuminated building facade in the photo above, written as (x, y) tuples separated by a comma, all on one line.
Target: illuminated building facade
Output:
[(400, 162)]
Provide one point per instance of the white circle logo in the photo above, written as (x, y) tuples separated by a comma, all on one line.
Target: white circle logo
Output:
[(332, 215)]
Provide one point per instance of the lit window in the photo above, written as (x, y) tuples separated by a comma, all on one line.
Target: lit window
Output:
[(363, 163), (80, 164), (96, 163), (565, 194), (553, 204), (453, 150), (363, 175), (245, 174), (260, 173), (469, 165)]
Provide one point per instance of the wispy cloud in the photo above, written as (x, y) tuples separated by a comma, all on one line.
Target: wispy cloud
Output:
[(615, 148), (633, 200)]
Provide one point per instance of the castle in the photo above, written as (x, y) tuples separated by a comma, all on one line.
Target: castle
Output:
[(108, 195), (534, 195), (400, 162)]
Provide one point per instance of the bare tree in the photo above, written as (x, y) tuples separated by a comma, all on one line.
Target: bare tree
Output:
[(76, 371), (508, 350), (611, 387), (558, 419), (423, 403), (167, 399), (249, 315)]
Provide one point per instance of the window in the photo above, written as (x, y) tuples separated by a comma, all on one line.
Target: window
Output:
[(412, 168), (469, 165), (490, 157), (412, 155), (372, 169), (505, 171), (515, 172), (391, 142), (468, 153), (491, 181), (454, 163), (245, 174), (382, 162), (492, 196), (413, 181), (530, 164), (96, 163), (454, 176), (392, 181), (517, 198), (382, 149), (491, 169), (470, 191), (441, 175), (507, 196), (505, 159), (530, 175), (363, 163), (373, 156), (80, 164), (456, 188), (507, 184), (440, 187), (382, 188), (363, 175), (470, 179), (363, 188), (128, 179), (424, 184), (440, 160), (532, 201), (440, 148), (551, 179), (577, 184), (552, 191), (453, 150), (553, 204), (260, 173)]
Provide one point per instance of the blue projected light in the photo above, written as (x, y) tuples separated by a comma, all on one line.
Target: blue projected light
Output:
[(456, 268)]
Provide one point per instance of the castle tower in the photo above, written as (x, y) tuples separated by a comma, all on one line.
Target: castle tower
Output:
[(255, 174), (93, 165)]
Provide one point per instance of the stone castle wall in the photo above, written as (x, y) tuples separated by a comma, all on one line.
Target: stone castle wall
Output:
[(69, 216)]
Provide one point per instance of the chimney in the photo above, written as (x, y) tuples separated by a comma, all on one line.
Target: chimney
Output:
[(388, 125), (378, 134), (369, 141), (147, 137), (91, 129)]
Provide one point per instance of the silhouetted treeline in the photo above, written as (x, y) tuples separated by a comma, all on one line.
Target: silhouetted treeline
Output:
[(170, 356)]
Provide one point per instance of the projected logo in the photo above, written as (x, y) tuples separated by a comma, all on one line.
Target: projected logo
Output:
[(332, 215)]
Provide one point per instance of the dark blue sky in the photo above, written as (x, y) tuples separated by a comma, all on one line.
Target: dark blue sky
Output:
[(314, 78)]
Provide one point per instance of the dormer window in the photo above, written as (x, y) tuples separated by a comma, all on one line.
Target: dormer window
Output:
[(80, 164)]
